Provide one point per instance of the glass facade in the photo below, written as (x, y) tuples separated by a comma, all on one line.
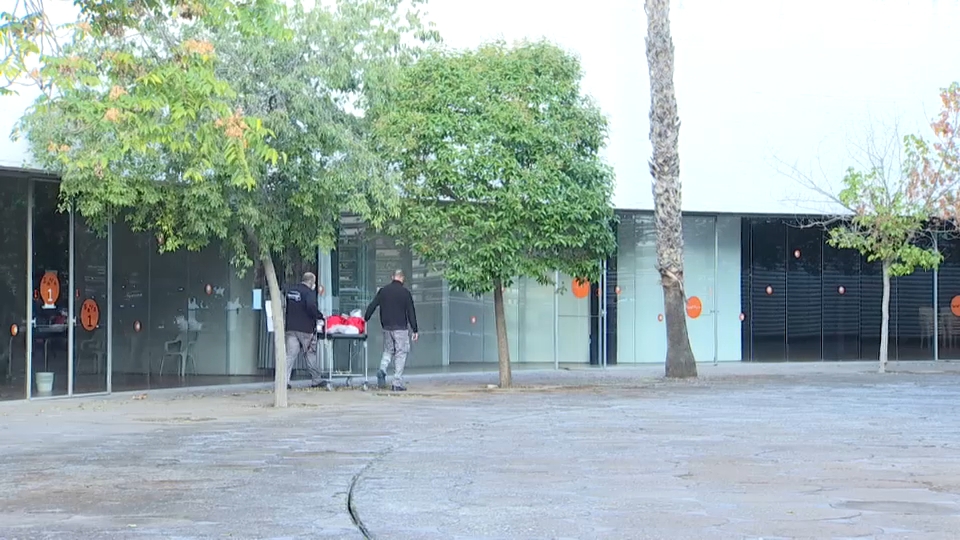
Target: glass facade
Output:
[(90, 311), (458, 330), (804, 300), (711, 281)]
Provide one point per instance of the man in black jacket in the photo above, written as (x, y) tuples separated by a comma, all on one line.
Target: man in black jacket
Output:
[(301, 327), (397, 318)]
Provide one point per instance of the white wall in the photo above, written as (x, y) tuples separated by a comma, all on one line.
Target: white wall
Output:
[(757, 81)]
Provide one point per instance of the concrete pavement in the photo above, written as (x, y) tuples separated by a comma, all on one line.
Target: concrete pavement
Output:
[(748, 451)]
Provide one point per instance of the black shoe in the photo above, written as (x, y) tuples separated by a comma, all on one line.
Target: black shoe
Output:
[(398, 388), (382, 379), (289, 387), (321, 384)]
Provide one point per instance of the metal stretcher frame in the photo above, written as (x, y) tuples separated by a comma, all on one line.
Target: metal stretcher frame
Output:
[(357, 350)]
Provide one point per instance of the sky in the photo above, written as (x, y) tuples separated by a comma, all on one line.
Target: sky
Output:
[(761, 85)]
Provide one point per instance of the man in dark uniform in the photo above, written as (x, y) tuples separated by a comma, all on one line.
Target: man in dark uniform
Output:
[(398, 318), (302, 315)]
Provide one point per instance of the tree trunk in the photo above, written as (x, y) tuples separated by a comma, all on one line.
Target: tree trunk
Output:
[(503, 346), (885, 319), (665, 169), (279, 343)]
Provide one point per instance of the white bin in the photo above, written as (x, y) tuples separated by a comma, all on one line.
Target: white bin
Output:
[(44, 382)]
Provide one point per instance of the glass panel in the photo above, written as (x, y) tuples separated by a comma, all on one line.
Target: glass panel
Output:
[(803, 292), (132, 326), (948, 296), (769, 300), (536, 326), (915, 311), (728, 289), (699, 269), (467, 331), (90, 309), (183, 318), (841, 304), (427, 290), (51, 291), (746, 289), (13, 292), (871, 296), (640, 330), (574, 321)]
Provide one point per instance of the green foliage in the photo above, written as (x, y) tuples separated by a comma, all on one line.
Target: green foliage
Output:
[(886, 224), (497, 154), (28, 37), (218, 130)]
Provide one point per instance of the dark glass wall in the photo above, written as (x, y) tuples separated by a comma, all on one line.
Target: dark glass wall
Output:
[(804, 300)]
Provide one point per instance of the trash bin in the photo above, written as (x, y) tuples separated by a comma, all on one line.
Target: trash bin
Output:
[(44, 382)]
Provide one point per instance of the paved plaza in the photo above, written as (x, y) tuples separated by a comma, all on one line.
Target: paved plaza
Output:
[(747, 451)]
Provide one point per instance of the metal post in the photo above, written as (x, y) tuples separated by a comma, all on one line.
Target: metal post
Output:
[(445, 322), (29, 320), (110, 308), (936, 312), (71, 302), (716, 289), (602, 311), (556, 319)]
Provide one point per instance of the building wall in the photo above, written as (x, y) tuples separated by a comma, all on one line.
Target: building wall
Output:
[(711, 275), (458, 330), (805, 300)]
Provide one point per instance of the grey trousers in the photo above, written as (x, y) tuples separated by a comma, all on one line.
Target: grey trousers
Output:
[(396, 345), (306, 343)]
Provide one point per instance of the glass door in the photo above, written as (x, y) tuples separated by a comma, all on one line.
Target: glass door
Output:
[(67, 336), (90, 304), (700, 284), (51, 372)]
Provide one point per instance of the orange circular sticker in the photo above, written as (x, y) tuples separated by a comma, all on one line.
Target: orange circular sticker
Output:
[(955, 306), (89, 315), (14, 330), (694, 307), (659, 317), (49, 289), (769, 289), (581, 288), (136, 326)]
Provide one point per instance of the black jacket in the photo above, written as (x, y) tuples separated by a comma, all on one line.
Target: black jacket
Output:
[(302, 310), (396, 308)]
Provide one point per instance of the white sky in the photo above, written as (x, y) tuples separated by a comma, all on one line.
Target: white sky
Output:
[(757, 81)]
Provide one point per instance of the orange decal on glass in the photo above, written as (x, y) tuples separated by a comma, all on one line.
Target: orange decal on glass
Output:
[(89, 315), (580, 288), (694, 307), (49, 289)]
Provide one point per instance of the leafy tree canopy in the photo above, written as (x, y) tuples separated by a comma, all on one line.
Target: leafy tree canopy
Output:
[(499, 168), (205, 131)]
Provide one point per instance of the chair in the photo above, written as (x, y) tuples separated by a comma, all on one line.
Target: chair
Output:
[(927, 315), (949, 327), (180, 348), (92, 348)]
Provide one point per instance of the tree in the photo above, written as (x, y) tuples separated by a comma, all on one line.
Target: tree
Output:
[(665, 169), (262, 146), (902, 191), (500, 177)]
